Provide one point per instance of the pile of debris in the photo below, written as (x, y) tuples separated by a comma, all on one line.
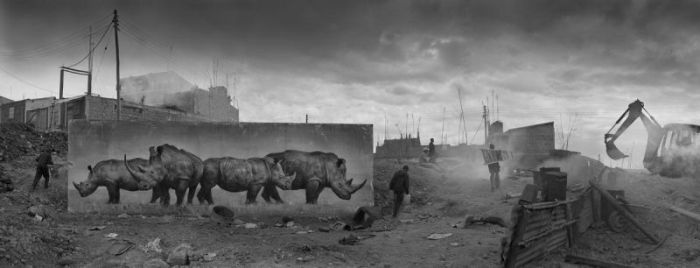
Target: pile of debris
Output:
[(19, 139)]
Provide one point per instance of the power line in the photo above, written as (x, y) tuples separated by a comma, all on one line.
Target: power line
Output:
[(92, 49), (26, 82)]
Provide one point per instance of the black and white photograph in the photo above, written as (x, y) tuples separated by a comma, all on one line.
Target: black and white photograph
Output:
[(337, 133)]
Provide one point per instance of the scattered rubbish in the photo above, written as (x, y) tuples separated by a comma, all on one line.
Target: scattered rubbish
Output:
[(154, 246), (691, 215), (439, 236), (38, 218), (470, 220), (339, 256), (339, 225), (324, 229), (353, 239), (513, 195), (180, 255), (155, 263), (576, 188), (289, 224), (66, 261), (407, 221), (97, 228), (250, 225), (304, 232), (223, 211), (305, 259), (365, 217), (238, 222), (454, 244), (123, 215), (658, 245), (628, 216), (42, 211), (209, 256), (688, 254), (119, 248), (111, 235), (593, 262)]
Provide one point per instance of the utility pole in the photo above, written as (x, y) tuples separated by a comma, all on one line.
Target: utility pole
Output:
[(307, 118), (442, 133), (464, 123), (385, 123), (115, 22), (486, 124), (89, 89)]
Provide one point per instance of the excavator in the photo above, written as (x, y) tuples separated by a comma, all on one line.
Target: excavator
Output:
[(672, 150)]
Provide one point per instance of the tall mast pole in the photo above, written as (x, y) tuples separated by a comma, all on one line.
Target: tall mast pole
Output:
[(115, 22), (89, 89)]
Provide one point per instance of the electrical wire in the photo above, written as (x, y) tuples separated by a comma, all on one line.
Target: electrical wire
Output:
[(92, 49), (24, 81)]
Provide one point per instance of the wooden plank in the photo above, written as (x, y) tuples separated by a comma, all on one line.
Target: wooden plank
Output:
[(686, 213), (517, 237), (614, 203)]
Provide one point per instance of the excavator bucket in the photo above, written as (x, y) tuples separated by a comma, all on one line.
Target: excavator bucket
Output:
[(613, 152)]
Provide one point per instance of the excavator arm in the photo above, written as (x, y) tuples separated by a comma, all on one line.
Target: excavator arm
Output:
[(654, 130)]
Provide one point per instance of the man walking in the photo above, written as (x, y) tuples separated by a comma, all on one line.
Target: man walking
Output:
[(399, 184), (494, 169), (42, 168), (431, 151)]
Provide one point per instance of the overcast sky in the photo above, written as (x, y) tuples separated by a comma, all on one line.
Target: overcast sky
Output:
[(355, 61)]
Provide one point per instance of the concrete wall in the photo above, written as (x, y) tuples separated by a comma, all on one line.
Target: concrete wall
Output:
[(92, 141), (536, 139), (99, 108), (17, 108)]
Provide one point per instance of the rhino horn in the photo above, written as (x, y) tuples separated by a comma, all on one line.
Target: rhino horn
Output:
[(358, 187)]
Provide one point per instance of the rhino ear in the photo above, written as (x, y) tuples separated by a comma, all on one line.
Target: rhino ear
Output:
[(340, 162), (90, 168)]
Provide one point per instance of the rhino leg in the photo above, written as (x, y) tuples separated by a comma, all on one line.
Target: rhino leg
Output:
[(204, 194), (313, 188), (112, 192), (270, 191), (190, 192), (116, 195), (252, 194), (154, 195), (164, 194), (180, 190)]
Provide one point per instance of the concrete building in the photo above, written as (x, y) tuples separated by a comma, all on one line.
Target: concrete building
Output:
[(404, 147), (169, 90), (55, 114), (530, 144), (18, 110)]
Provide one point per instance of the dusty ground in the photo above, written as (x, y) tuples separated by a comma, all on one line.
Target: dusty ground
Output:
[(439, 202)]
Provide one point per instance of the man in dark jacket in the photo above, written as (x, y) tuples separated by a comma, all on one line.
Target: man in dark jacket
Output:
[(431, 151), (42, 168), (399, 184), (494, 170)]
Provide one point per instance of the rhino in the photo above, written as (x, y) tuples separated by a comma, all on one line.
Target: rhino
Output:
[(112, 175), (238, 175), (170, 168), (314, 171)]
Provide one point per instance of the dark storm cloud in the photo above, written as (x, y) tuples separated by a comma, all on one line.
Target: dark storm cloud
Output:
[(357, 59)]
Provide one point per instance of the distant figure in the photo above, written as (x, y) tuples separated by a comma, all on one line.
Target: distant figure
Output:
[(494, 169), (431, 151), (399, 184), (42, 168)]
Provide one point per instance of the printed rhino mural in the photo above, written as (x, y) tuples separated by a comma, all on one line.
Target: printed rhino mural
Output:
[(238, 175), (314, 172), (113, 175), (168, 168)]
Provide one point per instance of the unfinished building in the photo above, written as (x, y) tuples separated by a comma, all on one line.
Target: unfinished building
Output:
[(169, 90)]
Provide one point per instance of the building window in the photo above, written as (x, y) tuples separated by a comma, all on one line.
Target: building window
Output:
[(11, 114)]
